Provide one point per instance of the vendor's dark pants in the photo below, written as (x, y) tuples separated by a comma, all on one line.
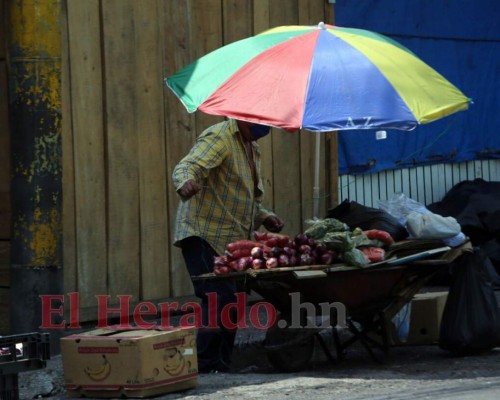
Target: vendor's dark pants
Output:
[(214, 345)]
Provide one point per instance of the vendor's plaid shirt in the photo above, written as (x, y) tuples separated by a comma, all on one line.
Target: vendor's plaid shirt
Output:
[(226, 209)]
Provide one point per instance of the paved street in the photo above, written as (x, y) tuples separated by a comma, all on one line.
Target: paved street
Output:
[(411, 372)]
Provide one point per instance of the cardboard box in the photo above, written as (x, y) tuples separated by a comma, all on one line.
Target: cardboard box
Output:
[(425, 321), (129, 363)]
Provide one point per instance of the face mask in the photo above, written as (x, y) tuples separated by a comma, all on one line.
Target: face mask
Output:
[(259, 131)]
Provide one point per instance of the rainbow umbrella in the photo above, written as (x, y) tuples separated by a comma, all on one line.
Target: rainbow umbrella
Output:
[(318, 78)]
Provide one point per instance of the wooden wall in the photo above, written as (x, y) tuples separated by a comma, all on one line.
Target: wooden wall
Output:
[(4, 180), (123, 132)]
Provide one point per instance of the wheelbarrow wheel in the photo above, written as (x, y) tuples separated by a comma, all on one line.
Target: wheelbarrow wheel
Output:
[(289, 350)]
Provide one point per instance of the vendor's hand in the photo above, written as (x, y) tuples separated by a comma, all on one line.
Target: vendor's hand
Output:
[(189, 189), (273, 224)]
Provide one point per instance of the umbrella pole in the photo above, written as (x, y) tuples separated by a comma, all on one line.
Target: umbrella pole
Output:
[(316, 197)]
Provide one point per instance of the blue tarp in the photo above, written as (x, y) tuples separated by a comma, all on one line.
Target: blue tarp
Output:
[(458, 38)]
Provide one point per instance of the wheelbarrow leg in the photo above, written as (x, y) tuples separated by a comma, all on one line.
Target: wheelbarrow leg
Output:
[(366, 341), (325, 348)]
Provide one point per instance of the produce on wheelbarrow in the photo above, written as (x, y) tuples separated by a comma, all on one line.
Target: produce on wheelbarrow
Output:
[(358, 248), (325, 242), (273, 250)]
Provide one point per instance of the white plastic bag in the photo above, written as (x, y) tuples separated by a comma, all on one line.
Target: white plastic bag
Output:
[(400, 206), (431, 226)]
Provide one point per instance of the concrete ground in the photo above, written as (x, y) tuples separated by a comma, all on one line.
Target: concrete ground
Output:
[(408, 372)]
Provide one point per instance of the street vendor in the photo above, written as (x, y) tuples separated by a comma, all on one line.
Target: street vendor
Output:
[(221, 192)]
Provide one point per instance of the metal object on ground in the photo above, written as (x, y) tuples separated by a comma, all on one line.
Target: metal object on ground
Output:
[(21, 353)]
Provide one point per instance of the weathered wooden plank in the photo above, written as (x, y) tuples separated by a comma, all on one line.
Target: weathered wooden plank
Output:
[(260, 15), (180, 126), (88, 142), (3, 40), (287, 189), (4, 263), (206, 34), (286, 146), (121, 66), (311, 12), (5, 311), (236, 20), (260, 24), (5, 210), (68, 164), (154, 235)]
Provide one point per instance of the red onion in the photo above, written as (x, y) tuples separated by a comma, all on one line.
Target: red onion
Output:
[(257, 263), (276, 251), (294, 261), (326, 258), (271, 262), (320, 248), (305, 259), (305, 249), (300, 239), (257, 252), (283, 260)]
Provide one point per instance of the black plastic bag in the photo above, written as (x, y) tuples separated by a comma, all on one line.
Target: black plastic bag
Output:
[(356, 215), (471, 318)]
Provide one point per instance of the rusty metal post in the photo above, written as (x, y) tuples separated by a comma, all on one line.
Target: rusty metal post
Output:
[(34, 60)]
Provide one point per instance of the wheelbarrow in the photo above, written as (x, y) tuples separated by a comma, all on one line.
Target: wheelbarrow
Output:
[(311, 299)]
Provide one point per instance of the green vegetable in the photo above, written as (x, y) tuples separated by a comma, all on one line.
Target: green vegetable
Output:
[(323, 226), (338, 241), (357, 232), (363, 240), (355, 257)]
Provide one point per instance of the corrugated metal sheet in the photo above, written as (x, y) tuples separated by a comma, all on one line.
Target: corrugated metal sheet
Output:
[(426, 184)]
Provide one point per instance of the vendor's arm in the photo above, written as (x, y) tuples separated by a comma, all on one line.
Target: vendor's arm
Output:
[(270, 220), (208, 152), (189, 189), (273, 223)]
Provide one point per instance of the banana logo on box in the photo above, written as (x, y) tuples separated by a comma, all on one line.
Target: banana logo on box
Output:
[(99, 372), (174, 361)]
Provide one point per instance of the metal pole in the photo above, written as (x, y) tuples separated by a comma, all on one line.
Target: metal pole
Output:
[(316, 189), (34, 61)]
